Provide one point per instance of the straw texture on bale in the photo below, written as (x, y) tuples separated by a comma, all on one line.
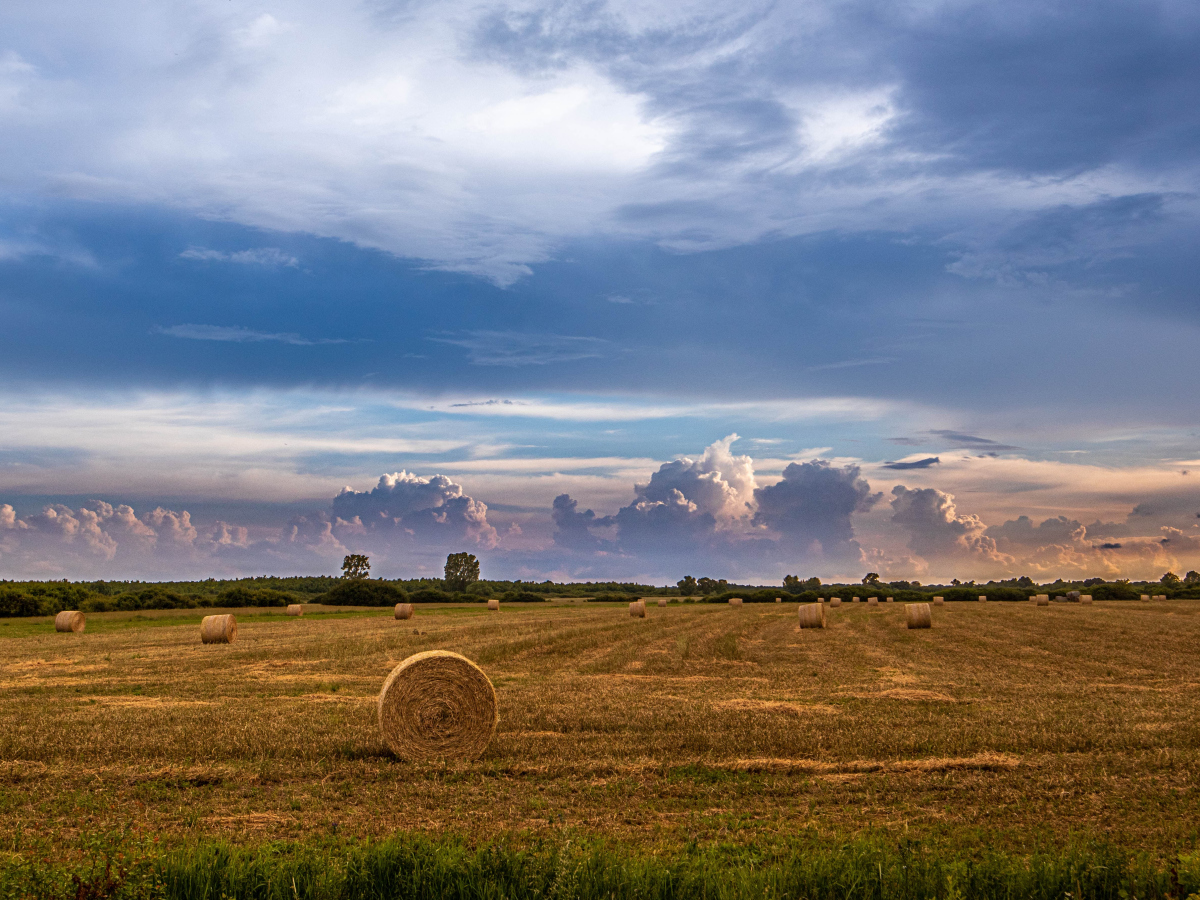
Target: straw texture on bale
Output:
[(294, 609), (918, 615), (637, 609), (493, 604), (1043, 599), (939, 601), (662, 601), (835, 601), (437, 705), (218, 629), (404, 610), (1085, 599), (735, 601), (812, 615), (70, 620)]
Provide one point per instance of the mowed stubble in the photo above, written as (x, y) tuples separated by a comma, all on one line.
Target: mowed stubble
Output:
[(1005, 723)]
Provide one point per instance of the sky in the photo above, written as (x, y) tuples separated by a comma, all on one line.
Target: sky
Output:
[(600, 290)]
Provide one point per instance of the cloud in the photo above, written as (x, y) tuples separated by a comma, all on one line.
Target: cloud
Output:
[(572, 529), (261, 256), (917, 464), (431, 510), (811, 506), (511, 348), (936, 530), (238, 335), (970, 441)]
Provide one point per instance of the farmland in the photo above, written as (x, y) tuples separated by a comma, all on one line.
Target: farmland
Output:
[(1007, 726)]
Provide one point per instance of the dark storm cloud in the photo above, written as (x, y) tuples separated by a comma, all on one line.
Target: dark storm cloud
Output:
[(812, 504), (916, 464)]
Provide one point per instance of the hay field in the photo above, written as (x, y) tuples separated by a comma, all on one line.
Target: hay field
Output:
[(1005, 725)]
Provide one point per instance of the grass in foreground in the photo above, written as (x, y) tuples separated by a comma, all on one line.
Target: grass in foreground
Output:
[(1006, 726)]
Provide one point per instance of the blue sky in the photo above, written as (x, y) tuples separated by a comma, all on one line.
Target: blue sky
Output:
[(817, 288)]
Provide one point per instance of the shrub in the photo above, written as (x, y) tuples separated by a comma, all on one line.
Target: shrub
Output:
[(362, 592), (429, 595), (13, 603), (522, 597), (244, 596)]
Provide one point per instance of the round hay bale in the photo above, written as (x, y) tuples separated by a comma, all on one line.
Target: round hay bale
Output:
[(1145, 598), (1043, 599), (437, 705), (939, 601), (854, 600), (218, 629), (404, 610), (835, 601), (983, 598), (872, 601), (637, 609), (1085, 599), (1074, 596), (780, 600), (918, 615), (735, 601), (812, 615), (662, 601), (71, 620), (891, 600), (294, 609), (493, 604)]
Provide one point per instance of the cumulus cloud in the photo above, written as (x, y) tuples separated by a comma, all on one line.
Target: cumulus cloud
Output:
[(572, 529), (936, 530), (811, 506), (430, 510)]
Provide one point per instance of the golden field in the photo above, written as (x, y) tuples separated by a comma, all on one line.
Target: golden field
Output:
[(1006, 725)]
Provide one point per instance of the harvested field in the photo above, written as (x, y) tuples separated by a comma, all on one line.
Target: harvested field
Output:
[(1005, 725)]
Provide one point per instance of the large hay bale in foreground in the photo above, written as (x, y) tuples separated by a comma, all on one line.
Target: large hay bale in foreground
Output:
[(735, 601), (70, 620), (637, 609), (218, 629), (918, 615), (437, 705), (493, 604), (662, 601), (812, 615), (404, 610), (1043, 599), (294, 609), (835, 601), (939, 601)]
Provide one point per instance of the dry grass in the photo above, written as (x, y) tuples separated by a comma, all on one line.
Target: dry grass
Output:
[(1002, 722)]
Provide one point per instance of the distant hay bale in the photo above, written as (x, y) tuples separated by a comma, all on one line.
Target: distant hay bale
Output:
[(218, 629), (1074, 596), (872, 601), (1043, 599), (835, 601), (890, 599), (294, 609), (404, 610), (637, 609), (735, 601), (779, 600), (437, 705), (493, 604), (1085, 599), (1160, 597), (983, 598), (662, 601), (918, 615), (1145, 598), (812, 615), (939, 601), (70, 620), (853, 599)]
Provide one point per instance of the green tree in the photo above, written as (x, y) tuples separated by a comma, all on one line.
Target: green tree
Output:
[(791, 584), (708, 585), (356, 567), (871, 578), (1170, 579), (687, 586), (1192, 577), (462, 570)]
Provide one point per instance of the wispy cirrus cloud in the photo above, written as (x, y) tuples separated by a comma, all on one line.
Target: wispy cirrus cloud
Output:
[(259, 256), (238, 335), (514, 348)]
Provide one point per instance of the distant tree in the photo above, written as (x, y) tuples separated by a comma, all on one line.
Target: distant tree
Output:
[(1092, 581), (708, 585), (955, 582), (462, 570), (1025, 582), (812, 584), (1192, 577), (356, 566), (871, 578), (687, 586), (1170, 578), (791, 584)]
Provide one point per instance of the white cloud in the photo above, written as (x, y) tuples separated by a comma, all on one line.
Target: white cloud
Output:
[(238, 335), (259, 256)]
